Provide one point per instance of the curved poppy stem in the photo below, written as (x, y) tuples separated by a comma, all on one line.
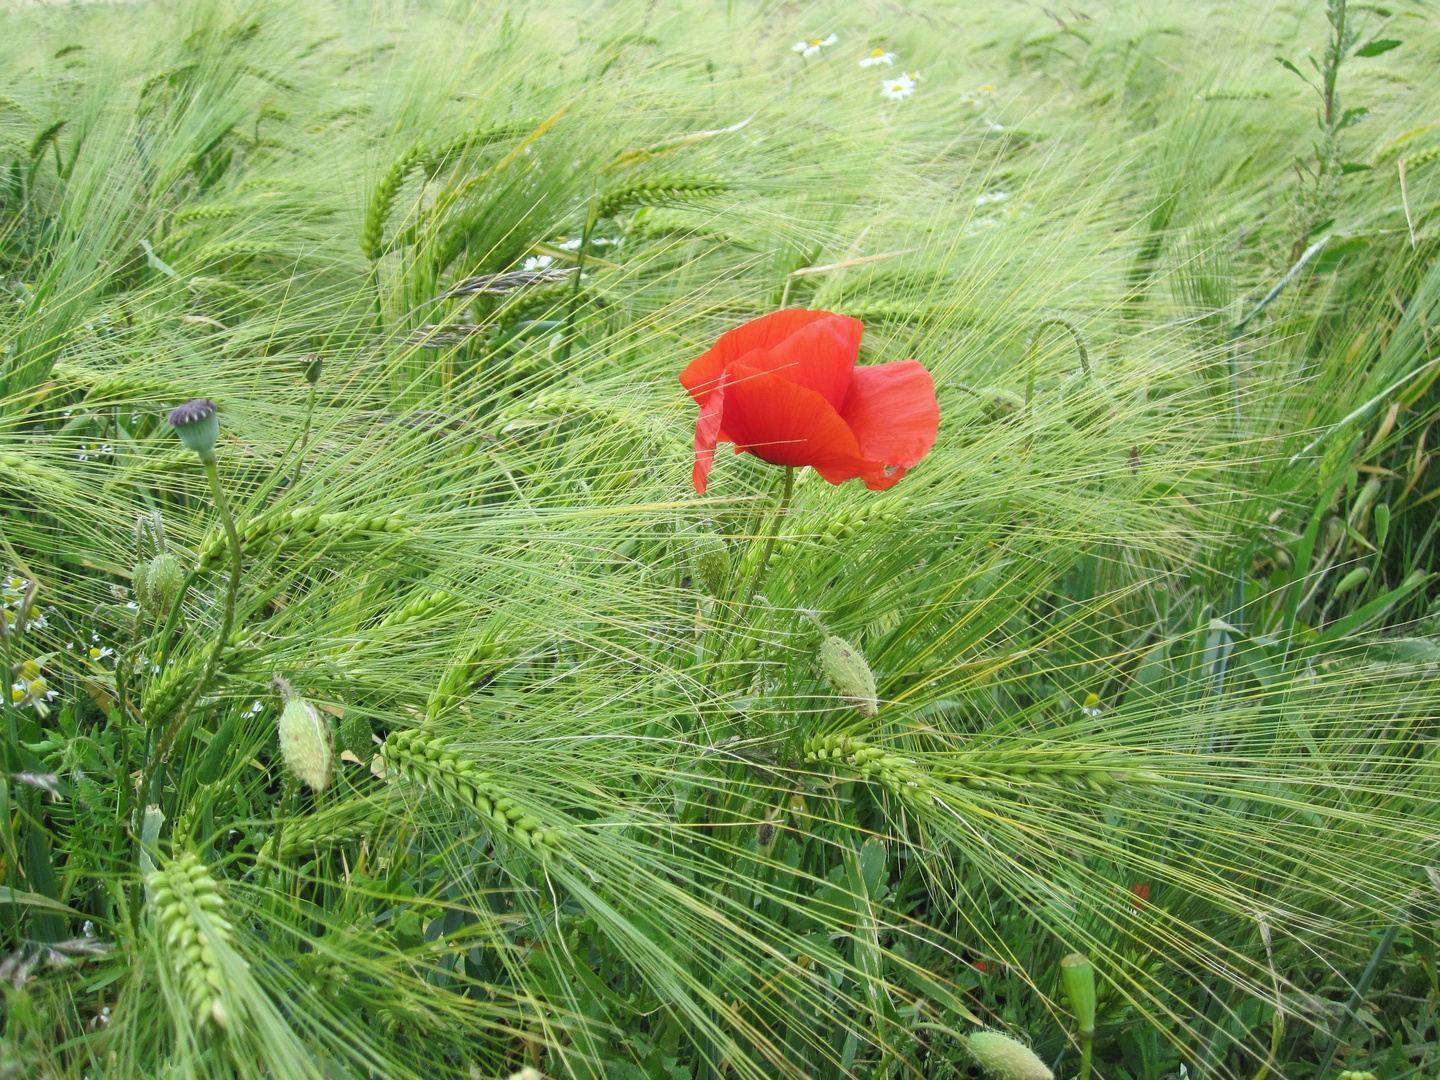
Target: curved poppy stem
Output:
[(788, 491)]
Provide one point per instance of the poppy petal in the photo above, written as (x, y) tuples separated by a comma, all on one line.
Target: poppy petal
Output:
[(786, 424), (819, 356), (703, 373), (707, 433), (891, 408)]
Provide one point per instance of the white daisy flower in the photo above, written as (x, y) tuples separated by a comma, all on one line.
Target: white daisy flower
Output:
[(537, 262), (810, 48), (898, 88), (97, 653), (572, 245), (879, 56)]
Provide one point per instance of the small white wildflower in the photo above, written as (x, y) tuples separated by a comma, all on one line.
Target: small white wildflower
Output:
[(810, 48), (255, 708), (97, 653), (991, 197), (573, 245), (993, 126), (878, 56), (898, 88), (537, 262), (1091, 704)]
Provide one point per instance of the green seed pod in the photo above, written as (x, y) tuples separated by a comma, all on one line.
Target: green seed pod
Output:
[(312, 364), (1355, 577), (214, 759), (165, 580), (356, 736), (848, 673), (711, 559), (140, 582), (1006, 1058), (1078, 975), (1382, 524), (197, 423), (305, 739)]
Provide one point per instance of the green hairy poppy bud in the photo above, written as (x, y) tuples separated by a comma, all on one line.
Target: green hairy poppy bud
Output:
[(848, 673), (305, 739), (312, 364), (140, 582), (356, 734), (998, 405), (164, 580), (1086, 402), (1078, 975), (711, 557), (1006, 1058), (197, 423)]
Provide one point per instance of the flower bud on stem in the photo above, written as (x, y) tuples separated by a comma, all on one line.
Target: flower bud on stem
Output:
[(161, 750)]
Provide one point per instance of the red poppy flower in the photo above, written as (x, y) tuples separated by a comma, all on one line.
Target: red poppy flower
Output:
[(785, 388), (1141, 893)]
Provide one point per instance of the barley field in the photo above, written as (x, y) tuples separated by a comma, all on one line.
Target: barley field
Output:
[(408, 682)]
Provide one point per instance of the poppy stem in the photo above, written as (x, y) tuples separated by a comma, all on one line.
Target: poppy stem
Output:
[(780, 513)]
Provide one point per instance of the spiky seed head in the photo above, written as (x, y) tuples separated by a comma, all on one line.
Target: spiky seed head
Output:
[(849, 674), (312, 363), (1078, 975), (711, 557), (197, 422), (356, 734), (165, 580), (140, 582), (305, 741), (1006, 1058)]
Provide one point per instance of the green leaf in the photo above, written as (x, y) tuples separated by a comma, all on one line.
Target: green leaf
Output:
[(30, 899), (1380, 45)]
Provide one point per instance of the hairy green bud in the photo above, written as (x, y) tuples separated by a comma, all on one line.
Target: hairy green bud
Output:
[(356, 735), (140, 582), (215, 753), (1006, 1058), (711, 558), (305, 739), (848, 673), (165, 580)]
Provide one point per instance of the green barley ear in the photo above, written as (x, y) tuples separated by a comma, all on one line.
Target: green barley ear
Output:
[(845, 667), (190, 922), (383, 200), (305, 738), (356, 735), (1006, 1058), (711, 559), (1078, 975)]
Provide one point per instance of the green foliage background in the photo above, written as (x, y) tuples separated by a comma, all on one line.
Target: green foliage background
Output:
[(1154, 633)]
